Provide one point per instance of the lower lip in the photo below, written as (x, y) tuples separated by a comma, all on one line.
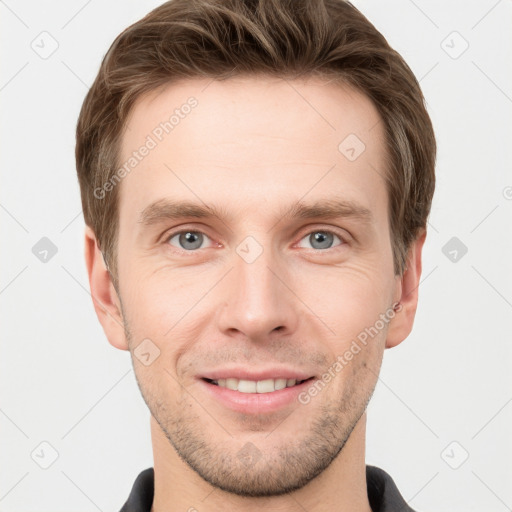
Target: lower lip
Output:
[(255, 403)]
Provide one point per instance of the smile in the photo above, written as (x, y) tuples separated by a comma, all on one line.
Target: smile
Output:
[(256, 386), (249, 396)]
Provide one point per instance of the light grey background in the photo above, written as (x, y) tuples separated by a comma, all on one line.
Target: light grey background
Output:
[(444, 394)]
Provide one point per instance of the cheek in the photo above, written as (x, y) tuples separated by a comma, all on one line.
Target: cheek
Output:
[(356, 306), (356, 363), (158, 302), (346, 298), (173, 314)]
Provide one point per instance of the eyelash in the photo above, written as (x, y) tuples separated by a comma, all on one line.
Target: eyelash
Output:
[(169, 236)]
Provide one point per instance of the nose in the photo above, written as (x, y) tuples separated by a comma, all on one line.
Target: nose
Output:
[(258, 302)]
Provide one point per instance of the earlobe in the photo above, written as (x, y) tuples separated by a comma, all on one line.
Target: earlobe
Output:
[(407, 294), (105, 299)]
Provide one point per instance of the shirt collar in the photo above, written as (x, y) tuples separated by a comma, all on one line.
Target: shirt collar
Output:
[(383, 494)]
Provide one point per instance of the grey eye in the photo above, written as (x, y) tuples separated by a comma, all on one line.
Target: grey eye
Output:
[(320, 240), (188, 240)]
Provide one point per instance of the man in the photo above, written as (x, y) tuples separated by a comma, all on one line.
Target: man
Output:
[(256, 178)]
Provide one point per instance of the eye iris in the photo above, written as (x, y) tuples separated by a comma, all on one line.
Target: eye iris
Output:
[(191, 240), (321, 240)]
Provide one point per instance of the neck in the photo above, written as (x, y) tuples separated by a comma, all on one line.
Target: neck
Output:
[(342, 486)]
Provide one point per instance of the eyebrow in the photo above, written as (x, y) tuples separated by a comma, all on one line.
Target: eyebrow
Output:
[(166, 209), (331, 209)]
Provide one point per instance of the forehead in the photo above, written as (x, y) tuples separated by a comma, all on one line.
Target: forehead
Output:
[(248, 141)]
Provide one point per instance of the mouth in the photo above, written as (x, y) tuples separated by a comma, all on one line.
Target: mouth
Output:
[(255, 397), (256, 386)]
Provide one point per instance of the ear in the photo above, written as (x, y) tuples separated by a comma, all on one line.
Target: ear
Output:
[(104, 295), (407, 294)]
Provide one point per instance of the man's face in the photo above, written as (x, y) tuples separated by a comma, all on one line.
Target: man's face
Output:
[(291, 265)]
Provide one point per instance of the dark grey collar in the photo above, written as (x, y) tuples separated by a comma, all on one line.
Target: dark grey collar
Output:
[(383, 494)]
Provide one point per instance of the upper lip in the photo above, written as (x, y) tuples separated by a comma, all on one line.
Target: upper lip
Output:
[(255, 374)]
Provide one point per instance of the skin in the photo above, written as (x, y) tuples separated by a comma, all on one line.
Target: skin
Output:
[(253, 148)]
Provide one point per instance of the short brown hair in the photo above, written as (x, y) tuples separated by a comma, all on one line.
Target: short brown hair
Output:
[(281, 38)]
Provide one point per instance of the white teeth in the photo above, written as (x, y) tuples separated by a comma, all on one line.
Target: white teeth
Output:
[(232, 384), (264, 386), (279, 384), (252, 386), (247, 386)]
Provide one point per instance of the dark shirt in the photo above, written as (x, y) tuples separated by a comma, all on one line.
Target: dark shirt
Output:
[(383, 494)]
